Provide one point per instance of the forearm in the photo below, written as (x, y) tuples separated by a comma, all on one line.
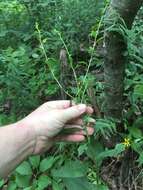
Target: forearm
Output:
[(16, 144)]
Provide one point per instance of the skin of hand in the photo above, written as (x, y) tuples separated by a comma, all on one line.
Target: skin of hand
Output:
[(37, 132), (51, 117)]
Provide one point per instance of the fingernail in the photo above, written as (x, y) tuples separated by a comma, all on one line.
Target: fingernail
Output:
[(82, 108)]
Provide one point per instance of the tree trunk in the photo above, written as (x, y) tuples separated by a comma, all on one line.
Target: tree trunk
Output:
[(115, 53)]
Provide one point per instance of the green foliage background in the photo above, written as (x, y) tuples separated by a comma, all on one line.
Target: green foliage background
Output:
[(26, 82)]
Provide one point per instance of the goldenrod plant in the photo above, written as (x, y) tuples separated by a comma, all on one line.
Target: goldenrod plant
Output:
[(98, 40)]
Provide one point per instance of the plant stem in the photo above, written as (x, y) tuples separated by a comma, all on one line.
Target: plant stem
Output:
[(92, 54), (70, 58), (47, 60)]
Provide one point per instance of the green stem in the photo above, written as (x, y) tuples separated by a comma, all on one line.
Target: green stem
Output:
[(92, 54), (47, 59), (69, 56)]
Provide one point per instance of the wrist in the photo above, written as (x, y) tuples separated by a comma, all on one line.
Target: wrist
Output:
[(17, 144), (27, 133), (38, 143)]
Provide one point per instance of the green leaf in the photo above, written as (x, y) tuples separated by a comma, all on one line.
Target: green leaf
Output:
[(94, 149), (24, 169), (1, 183), (43, 182), (56, 186), (105, 127), (78, 184), (138, 91), (140, 159), (101, 187), (93, 33), (82, 148), (35, 55), (138, 122), (135, 132), (35, 161), (47, 163), (119, 148), (137, 145), (51, 90), (12, 185), (98, 154), (22, 181), (28, 188), (70, 169), (3, 33)]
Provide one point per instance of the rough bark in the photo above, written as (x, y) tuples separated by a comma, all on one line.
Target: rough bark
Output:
[(115, 49)]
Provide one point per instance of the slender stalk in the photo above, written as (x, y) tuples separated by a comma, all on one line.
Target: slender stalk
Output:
[(47, 60), (92, 55), (69, 56)]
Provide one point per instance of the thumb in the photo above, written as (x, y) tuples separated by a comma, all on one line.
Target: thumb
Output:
[(73, 112)]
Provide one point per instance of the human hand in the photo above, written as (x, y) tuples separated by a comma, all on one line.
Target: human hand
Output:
[(51, 117)]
